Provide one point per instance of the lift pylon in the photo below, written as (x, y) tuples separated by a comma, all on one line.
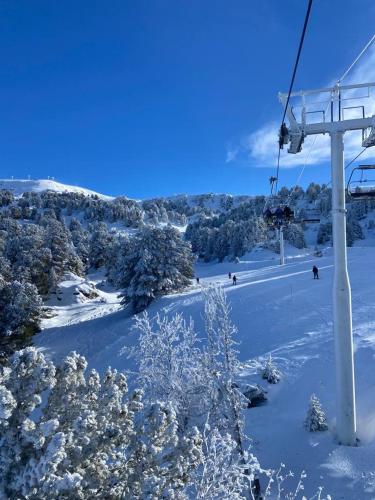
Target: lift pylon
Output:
[(336, 124)]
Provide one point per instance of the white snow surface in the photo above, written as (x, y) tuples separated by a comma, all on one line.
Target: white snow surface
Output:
[(20, 186), (280, 311)]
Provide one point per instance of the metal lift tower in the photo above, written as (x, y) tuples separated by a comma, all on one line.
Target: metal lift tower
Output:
[(336, 124)]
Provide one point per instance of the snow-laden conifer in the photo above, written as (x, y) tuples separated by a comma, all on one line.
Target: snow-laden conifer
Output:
[(91, 438), (315, 419), (270, 371), (158, 262)]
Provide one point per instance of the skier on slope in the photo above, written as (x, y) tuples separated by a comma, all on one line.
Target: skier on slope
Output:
[(230, 275), (234, 280), (315, 271)]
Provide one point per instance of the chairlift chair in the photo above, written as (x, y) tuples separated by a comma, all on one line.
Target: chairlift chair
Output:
[(278, 215), (364, 187)]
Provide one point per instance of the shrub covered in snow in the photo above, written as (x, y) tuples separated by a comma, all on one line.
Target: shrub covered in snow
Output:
[(270, 371), (92, 439), (315, 419)]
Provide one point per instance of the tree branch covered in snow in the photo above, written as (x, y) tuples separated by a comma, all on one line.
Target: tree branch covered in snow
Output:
[(92, 439)]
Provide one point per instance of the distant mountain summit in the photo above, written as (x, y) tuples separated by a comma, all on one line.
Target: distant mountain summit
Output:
[(20, 186)]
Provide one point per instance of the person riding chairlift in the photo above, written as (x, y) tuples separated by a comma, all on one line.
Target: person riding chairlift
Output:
[(288, 212)]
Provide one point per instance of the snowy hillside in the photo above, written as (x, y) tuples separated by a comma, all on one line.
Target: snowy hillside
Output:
[(20, 186), (80, 266), (280, 311)]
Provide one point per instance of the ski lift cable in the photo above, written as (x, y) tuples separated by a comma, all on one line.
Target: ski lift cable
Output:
[(351, 161), (292, 81), (339, 81), (369, 43), (354, 159)]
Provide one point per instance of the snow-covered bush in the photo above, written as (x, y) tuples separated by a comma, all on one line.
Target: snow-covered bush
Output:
[(315, 419), (270, 371), (90, 438)]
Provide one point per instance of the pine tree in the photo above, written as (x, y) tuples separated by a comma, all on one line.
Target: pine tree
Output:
[(315, 419), (100, 245), (20, 310), (270, 372), (159, 262), (90, 438)]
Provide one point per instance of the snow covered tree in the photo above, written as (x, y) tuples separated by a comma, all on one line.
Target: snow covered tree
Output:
[(220, 331), (90, 438), (221, 461), (159, 262), (353, 231), (20, 311), (117, 262), (5, 268), (198, 381), (221, 366), (100, 245), (315, 419), (312, 192), (80, 239), (57, 239), (270, 372), (324, 233), (295, 235), (6, 197), (171, 365)]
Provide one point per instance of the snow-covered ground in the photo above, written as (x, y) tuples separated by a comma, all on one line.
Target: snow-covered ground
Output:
[(20, 186), (278, 310)]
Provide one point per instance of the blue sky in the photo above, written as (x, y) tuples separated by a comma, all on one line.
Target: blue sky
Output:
[(152, 97)]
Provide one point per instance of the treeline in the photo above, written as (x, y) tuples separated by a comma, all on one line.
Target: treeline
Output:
[(129, 212), (44, 236)]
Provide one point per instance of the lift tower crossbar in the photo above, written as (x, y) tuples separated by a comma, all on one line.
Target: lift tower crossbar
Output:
[(336, 126)]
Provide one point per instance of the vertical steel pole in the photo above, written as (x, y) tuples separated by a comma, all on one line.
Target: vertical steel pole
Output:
[(342, 302), (281, 235)]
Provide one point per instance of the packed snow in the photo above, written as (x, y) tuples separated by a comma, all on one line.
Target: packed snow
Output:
[(279, 311)]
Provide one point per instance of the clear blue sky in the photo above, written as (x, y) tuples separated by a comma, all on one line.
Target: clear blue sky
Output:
[(143, 97)]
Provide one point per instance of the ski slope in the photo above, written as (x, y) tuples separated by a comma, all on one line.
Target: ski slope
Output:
[(278, 310)]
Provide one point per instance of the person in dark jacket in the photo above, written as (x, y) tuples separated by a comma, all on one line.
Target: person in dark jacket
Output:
[(197, 280), (230, 276), (234, 280), (315, 271)]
